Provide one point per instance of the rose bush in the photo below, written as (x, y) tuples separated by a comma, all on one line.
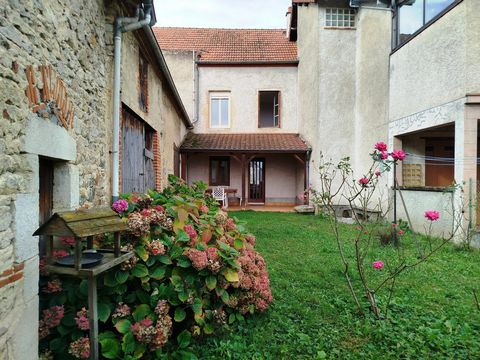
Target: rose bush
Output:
[(195, 270)]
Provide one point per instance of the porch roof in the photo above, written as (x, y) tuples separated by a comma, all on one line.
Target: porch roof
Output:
[(272, 143)]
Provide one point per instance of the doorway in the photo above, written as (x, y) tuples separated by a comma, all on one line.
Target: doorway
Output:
[(256, 181)]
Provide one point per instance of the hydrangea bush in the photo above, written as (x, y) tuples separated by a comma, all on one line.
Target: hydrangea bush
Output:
[(195, 270)]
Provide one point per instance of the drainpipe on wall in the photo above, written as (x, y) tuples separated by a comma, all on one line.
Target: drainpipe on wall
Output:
[(123, 24), (307, 175), (196, 87)]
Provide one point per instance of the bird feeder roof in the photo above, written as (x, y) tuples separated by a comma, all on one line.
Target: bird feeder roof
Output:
[(82, 223)]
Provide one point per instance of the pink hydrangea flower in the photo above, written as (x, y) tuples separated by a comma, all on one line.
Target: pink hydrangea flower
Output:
[(381, 146), (190, 231), (82, 319), (378, 264), (53, 286), (432, 215), (52, 316), (203, 209), (57, 254), (159, 208), (67, 240), (363, 181), (157, 248), (120, 206), (398, 155), (80, 348), (198, 258)]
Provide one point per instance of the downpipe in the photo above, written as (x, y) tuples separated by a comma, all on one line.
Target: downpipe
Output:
[(122, 25)]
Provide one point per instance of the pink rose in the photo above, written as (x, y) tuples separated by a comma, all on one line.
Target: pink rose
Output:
[(398, 155), (381, 146), (378, 173), (378, 264), (400, 232), (384, 155), (432, 215), (363, 181)]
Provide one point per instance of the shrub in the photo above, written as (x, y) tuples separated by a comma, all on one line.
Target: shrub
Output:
[(195, 270)]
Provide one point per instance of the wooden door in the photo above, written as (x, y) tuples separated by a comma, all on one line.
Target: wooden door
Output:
[(45, 194), (256, 181), (138, 173), (439, 173)]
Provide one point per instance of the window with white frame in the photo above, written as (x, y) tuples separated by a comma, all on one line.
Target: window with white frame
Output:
[(341, 18), (219, 109)]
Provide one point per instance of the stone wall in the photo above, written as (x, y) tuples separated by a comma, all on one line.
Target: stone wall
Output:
[(76, 39), (37, 33)]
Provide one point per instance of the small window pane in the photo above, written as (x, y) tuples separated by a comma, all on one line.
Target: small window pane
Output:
[(411, 19), (215, 112), (224, 112), (344, 18), (435, 7)]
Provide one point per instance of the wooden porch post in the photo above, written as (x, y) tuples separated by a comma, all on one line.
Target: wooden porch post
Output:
[(183, 170), (306, 198), (243, 181)]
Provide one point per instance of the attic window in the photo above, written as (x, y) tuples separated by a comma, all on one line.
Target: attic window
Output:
[(340, 18), (143, 83)]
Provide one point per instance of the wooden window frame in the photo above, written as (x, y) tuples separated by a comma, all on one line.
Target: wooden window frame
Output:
[(218, 158), (279, 109), (219, 95)]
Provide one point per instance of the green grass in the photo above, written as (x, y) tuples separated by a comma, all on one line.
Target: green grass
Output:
[(433, 315)]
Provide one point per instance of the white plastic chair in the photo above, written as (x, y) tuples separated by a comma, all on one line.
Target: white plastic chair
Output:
[(219, 194)]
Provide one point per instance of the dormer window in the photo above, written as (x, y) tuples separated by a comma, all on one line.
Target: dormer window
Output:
[(340, 18)]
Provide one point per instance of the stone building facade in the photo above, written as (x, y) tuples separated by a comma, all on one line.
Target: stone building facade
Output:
[(56, 78)]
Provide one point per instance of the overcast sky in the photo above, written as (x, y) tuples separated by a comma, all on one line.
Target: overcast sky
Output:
[(222, 13)]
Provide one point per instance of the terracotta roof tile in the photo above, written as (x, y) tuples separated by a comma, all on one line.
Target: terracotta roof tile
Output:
[(229, 45), (244, 142)]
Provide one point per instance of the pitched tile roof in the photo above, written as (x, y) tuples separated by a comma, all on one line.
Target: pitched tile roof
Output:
[(245, 142), (230, 45)]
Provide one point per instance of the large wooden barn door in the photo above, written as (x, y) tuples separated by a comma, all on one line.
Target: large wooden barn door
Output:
[(137, 154), (256, 181)]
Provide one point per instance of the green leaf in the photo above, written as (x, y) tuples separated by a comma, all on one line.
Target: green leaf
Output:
[(180, 314), (184, 339), (231, 318), (158, 273), (238, 244), (211, 282), (62, 330), (208, 329), (182, 215), (121, 276), (164, 259), (139, 350), (123, 326), (110, 348), (110, 279), (140, 270), (183, 296), (83, 288), (231, 275), (225, 297), (128, 343), (141, 252), (141, 311), (240, 317), (197, 307), (68, 320), (151, 260), (183, 262), (57, 345), (182, 236), (103, 312)]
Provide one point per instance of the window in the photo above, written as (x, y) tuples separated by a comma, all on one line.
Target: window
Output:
[(219, 110), (268, 109), (219, 171), (143, 83), (412, 15), (342, 18)]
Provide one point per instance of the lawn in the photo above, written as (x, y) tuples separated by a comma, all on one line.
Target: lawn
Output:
[(433, 315)]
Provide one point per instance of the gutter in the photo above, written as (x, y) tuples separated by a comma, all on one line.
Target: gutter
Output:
[(229, 63)]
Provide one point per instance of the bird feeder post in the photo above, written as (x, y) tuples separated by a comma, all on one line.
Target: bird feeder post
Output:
[(78, 253), (93, 316)]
